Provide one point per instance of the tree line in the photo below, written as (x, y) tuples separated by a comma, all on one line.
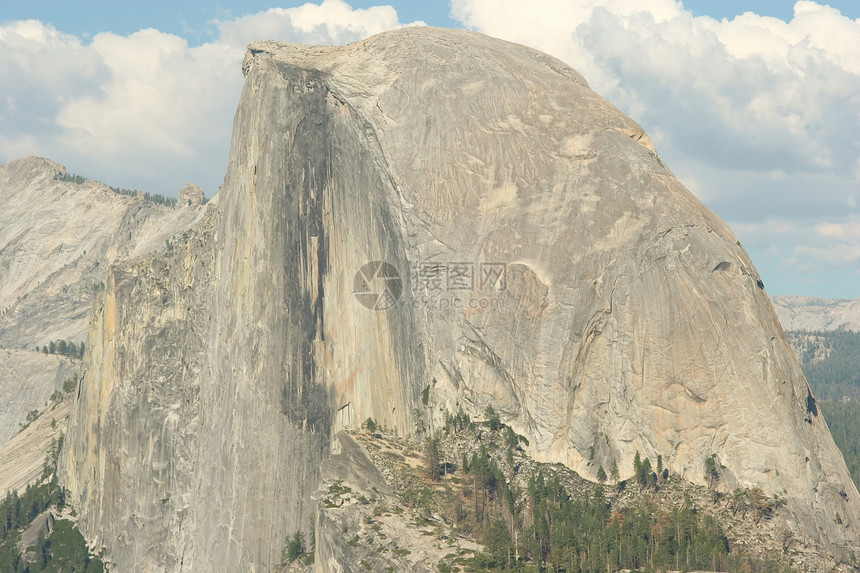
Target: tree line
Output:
[(147, 197), (546, 527), (63, 348), (844, 421), (837, 375)]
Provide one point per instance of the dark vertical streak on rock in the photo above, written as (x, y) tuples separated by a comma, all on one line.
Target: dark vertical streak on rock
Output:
[(811, 407), (305, 249), (366, 199)]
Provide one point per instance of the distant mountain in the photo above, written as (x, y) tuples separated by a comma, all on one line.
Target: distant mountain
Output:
[(831, 362), (59, 234), (816, 313)]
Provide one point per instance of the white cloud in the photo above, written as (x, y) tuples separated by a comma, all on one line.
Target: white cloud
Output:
[(42, 69), (807, 259), (753, 93), (147, 110), (332, 22), (840, 231), (763, 115), (153, 100)]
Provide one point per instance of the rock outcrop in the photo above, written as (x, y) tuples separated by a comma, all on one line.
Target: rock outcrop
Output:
[(538, 256), (41, 527), (191, 195), (356, 500)]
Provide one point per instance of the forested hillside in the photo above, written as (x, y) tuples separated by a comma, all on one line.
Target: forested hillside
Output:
[(844, 421), (475, 481), (63, 549), (831, 362)]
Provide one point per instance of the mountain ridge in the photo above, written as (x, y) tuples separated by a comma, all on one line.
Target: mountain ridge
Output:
[(57, 239), (817, 313)]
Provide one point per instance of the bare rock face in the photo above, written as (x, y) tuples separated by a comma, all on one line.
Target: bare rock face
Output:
[(27, 380), (605, 308), (24, 455)]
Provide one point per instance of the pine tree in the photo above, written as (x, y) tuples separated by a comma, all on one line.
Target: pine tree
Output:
[(644, 473), (613, 471), (762, 505), (493, 419), (369, 425), (44, 549), (431, 450), (312, 541), (712, 474), (295, 548), (601, 475), (498, 542)]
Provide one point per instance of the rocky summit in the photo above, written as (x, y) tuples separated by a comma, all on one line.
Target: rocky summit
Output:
[(424, 221)]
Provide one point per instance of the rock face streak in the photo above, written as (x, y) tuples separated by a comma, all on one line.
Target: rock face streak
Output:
[(629, 318)]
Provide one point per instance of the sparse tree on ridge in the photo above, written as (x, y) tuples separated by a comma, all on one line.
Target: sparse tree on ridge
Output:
[(493, 419), (613, 471)]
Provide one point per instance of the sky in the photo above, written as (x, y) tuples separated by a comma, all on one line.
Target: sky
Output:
[(754, 105)]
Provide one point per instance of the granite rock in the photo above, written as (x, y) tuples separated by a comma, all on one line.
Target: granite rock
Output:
[(608, 308), (57, 239)]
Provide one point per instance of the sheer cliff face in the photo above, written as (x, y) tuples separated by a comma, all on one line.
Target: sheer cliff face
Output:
[(628, 317)]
